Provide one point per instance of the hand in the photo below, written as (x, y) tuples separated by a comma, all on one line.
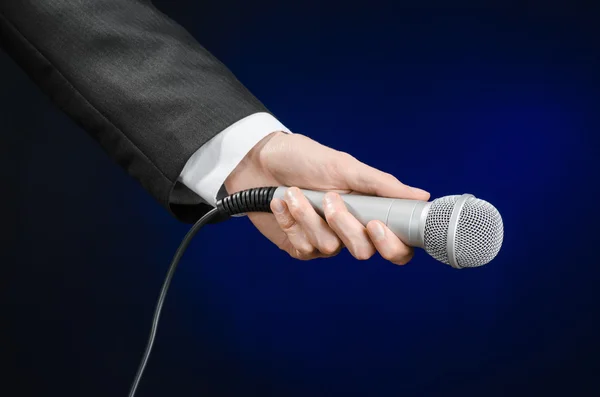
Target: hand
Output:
[(295, 160)]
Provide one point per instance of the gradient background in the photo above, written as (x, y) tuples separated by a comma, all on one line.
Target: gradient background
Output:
[(496, 101)]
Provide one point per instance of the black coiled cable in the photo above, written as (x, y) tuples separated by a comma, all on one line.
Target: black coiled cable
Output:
[(251, 200)]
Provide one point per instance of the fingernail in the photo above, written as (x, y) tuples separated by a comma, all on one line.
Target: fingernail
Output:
[(377, 231), (329, 200), (278, 207), (292, 195)]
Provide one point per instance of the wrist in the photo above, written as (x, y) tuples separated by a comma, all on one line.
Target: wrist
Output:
[(251, 170)]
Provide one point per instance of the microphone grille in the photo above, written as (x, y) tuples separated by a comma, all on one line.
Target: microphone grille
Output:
[(479, 231)]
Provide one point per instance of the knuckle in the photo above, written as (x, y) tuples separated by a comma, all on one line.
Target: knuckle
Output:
[(286, 223), (294, 253), (302, 255), (298, 211), (297, 255), (362, 256), (329, 247), (386, 255), (392, 254), (391, 177), (403, 260), (305, 249), (362, 253), (347, 157)]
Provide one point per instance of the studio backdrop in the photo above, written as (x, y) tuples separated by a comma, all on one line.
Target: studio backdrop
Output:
[(497, 101)]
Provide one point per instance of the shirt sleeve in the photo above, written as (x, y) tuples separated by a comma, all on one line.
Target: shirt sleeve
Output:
[(208, 168)]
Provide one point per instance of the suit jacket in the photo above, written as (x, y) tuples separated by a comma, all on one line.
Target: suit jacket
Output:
[(133, 79)]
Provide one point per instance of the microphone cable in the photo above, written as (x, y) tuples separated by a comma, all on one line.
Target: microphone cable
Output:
[(251, 200)]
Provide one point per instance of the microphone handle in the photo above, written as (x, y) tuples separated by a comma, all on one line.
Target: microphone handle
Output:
[(405, 218)]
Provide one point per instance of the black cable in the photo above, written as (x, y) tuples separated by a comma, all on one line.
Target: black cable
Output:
[(251, 200), (163, 293)]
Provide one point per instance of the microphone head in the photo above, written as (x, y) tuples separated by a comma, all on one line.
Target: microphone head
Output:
[(463, 231)]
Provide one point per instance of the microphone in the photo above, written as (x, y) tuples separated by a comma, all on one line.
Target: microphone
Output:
[(459, 230)]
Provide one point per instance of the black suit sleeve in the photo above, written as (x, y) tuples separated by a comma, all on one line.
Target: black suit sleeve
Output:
[(134, 79)]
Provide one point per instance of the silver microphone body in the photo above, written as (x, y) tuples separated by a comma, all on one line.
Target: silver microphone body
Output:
[(405, 218), (459, 230)]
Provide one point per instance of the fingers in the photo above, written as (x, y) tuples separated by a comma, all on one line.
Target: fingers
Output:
[(368, 180), (310, 236), (316, 229), (352, 233), (308, 233), (364, 242), (388, 244), (301, 246)]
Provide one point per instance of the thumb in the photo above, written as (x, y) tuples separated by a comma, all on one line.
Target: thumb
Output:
[(362, 178)]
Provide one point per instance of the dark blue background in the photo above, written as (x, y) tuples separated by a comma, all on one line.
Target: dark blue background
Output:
[(498, 101)]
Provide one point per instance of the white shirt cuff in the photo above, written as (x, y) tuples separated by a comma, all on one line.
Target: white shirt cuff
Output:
[(206, 171)]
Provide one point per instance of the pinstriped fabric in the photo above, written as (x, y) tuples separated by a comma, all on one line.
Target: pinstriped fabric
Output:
[(132, 78)]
